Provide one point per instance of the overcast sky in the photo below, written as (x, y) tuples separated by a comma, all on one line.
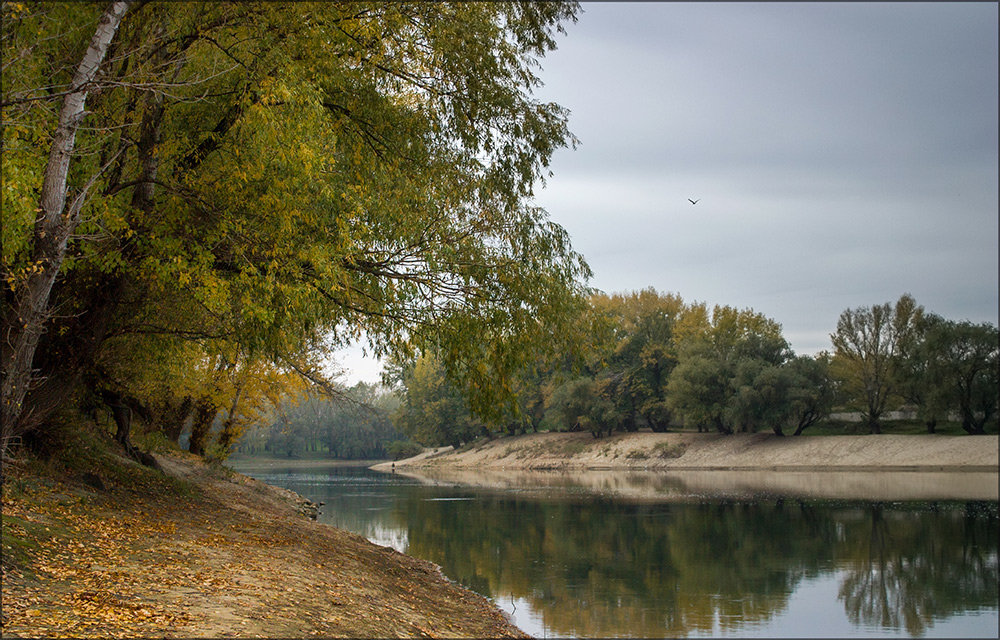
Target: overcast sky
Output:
[(842, 155)]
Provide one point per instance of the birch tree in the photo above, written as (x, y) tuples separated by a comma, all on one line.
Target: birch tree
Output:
[(277, 178), (58, 217)]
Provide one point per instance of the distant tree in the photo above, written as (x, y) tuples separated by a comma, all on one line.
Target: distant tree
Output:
[(578, 405), (400, 449), (643, 354), (528, 388), (762, 396), (868, 347), (971, 353), (729, 373), (433, 411), (699, 392), (737, 334), (353, 425), (923, 375), (813, 391)]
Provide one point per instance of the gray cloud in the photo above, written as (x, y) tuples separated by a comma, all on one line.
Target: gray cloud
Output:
[(844, 154)]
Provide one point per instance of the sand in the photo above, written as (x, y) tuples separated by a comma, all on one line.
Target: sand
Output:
[(667, 466)]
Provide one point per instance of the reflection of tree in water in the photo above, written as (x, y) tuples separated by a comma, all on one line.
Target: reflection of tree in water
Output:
[(599, 568), (743, 561), (906, 569)]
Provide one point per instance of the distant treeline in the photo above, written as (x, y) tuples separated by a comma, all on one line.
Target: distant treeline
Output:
[(356, 426), (650, 360)]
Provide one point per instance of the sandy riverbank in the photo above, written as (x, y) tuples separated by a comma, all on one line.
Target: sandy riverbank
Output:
[(679, 466), (682, 451)]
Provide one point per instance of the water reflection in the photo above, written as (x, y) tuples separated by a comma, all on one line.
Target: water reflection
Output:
[(574, 562), (907, 572), (609, 569), (691, 485)]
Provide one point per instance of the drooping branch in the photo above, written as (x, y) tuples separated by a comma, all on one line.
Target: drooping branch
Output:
[(308, 373)]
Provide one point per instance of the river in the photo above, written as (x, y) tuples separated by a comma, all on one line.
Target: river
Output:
[(566, 559)]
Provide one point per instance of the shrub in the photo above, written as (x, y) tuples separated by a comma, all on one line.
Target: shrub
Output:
[(399, 449), (668, 450)]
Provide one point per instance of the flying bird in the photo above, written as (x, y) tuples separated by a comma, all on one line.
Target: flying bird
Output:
[(694, 201)]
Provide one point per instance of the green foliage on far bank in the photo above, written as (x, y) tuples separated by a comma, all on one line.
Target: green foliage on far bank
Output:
[(354, 427), (647, 360)]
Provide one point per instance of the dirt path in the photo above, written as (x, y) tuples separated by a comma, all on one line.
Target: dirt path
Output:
[(227, 556)]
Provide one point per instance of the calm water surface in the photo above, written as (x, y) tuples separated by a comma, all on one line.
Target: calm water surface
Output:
[(566, 562)]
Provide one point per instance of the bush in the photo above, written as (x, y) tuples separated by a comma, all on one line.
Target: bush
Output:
[(666, 450), (154, 441), (399, 449)]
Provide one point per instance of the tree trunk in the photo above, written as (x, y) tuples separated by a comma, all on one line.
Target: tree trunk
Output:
[(807, 419), (122, 415), (630, 422), (803, 423), (53, 228), (721, 427), (173, 418), (205, 411), (228, 435)]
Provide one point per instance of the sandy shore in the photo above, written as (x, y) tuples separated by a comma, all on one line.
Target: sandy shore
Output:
[(668, 466), (674, 451)]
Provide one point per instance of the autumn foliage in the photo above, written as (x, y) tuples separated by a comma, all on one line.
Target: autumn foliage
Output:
[(251, 185)]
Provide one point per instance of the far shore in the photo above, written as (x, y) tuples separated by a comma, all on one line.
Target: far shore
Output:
[(889, 467), (686, 450)]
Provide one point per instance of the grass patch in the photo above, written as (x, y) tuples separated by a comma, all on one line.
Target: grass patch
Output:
[(71, 448), (70, 473), (154, 442), (667, 450), (26, 524), (891, 427), (18, 542), (571, 447), (637, 455)]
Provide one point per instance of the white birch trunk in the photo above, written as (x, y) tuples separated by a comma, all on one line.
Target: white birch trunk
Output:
[(52, 230)]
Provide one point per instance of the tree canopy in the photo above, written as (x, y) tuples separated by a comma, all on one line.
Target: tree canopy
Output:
[(202, 200), (267, 181), (868, 345), (650, 360)]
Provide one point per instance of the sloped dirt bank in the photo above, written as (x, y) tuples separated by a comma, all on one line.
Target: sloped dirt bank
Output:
[(209, 553)]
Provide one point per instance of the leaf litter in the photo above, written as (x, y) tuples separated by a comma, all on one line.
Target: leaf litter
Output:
[(232, 558)]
